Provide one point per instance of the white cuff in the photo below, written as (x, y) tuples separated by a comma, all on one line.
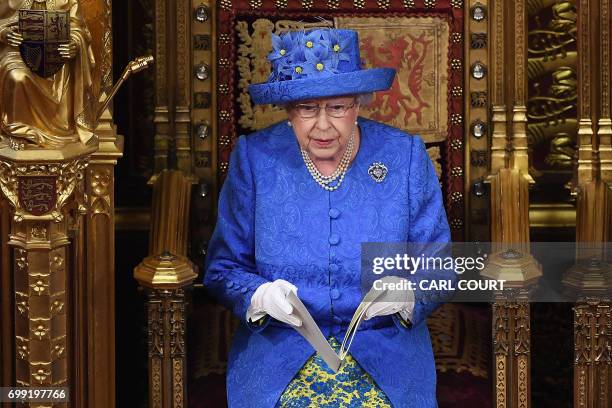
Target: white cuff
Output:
[(406, 313), (255, 310), (253, 315)]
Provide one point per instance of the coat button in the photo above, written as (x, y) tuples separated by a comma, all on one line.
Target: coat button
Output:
[(334, 293), (334, 239), (334, 267), (229, 284), (334, 212), (243, 290)]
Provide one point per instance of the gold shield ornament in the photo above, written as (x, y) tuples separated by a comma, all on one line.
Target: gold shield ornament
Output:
[(43, 31), (37, 194)]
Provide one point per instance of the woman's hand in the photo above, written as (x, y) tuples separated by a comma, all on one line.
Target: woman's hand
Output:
[(390, 301), (68, 51), (12, 37), (271, 298)]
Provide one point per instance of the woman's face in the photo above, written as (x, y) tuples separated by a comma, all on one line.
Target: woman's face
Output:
[(322, 132)]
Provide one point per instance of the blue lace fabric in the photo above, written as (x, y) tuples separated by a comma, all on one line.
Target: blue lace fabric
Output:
[(316, 385)]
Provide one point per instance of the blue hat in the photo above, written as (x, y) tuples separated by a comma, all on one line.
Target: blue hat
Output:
[(317, 64)]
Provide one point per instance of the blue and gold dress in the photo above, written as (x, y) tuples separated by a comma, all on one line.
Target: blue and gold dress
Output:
[(276, 222), (316, 385)]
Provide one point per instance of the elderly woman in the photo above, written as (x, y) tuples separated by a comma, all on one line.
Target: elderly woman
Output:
[(299, 199)]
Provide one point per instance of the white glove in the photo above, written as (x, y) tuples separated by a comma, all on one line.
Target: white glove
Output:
[(271, 298), (391, 300)]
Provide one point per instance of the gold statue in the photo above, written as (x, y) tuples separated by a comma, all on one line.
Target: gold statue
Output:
[(46, 112)]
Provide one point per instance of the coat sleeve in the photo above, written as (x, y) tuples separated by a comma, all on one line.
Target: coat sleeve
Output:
[(231, 274), (428, 227)]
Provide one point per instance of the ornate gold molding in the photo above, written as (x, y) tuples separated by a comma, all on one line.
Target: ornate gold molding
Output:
[(182, 84), (512, 349), (586, 169), (497, 32), (605, 121), (95, 258), (166, 330), (166, 272), (592, 353), (6, 298), (45, 189), (590, 277), (162, 114), (500, 350), (519, 157), (173, 84), (509, 203), (52, 182), (62, 235), (520, 49)]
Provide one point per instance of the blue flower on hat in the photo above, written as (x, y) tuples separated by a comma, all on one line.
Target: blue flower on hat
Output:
[(338, 45), (316, 64), (319, 62), (283, 47), (313, 42), (295, 70), (285, 50)]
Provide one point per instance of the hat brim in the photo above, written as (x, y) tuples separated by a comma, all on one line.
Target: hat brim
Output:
[(346, 83)]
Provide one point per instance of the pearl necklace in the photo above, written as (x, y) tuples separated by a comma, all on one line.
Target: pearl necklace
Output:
[(338, 174)]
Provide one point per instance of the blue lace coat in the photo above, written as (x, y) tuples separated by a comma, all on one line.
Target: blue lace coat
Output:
[(276, 222)]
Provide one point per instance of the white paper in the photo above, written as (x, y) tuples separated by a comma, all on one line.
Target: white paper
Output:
[(312, 333)]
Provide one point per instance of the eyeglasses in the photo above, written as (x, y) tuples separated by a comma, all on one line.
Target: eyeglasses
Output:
[(309, 111)]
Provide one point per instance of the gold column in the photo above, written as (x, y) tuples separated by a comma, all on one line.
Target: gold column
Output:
[(605, 121), (498, 95), (173, 85), (587, 78), (592, 358), (6, 298), (97, 294), (45, 190), (162, 112), (511, 347), (166, 273), (182, 99), (591, 277), (519, 159), (509, 181)]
